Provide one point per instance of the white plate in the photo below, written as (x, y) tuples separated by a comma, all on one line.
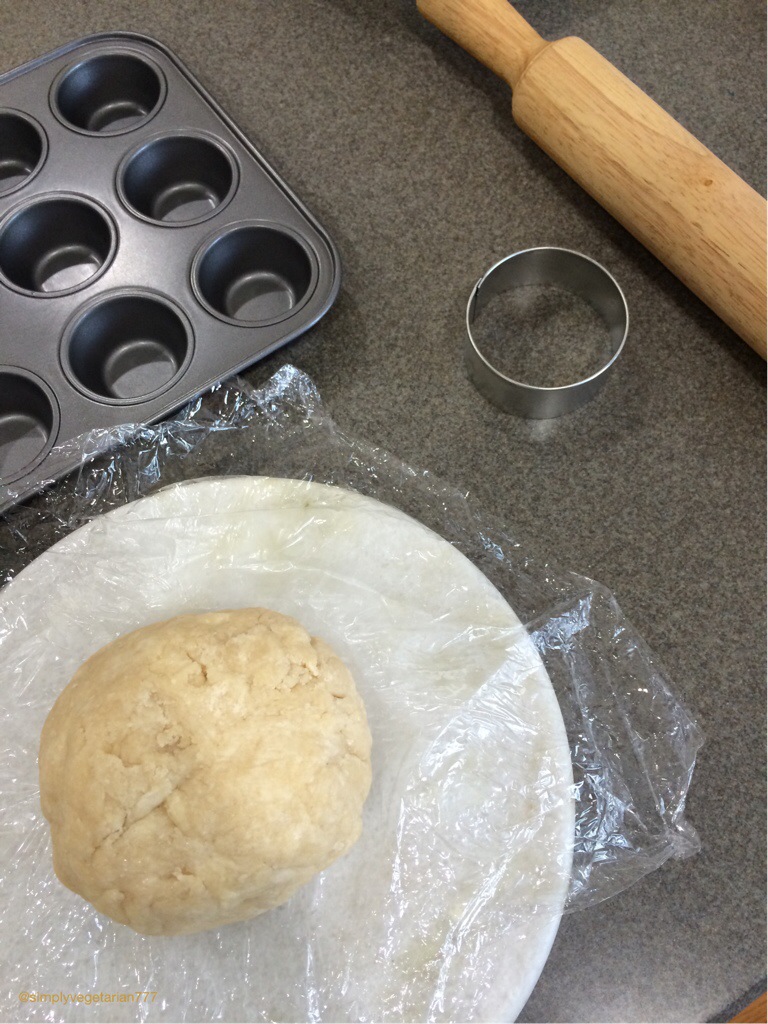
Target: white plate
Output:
[(448, 905)]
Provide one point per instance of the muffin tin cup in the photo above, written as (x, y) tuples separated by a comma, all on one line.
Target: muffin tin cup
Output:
[(127, 346), (147, 250), (29, 422), (56, 244), (108, 93), (23, 149), (178, 178), (254, 274)]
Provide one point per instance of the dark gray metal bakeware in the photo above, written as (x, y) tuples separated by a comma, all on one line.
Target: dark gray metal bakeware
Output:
[(146, 248)]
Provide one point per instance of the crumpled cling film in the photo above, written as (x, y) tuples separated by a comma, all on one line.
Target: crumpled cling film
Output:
[(446, 908)]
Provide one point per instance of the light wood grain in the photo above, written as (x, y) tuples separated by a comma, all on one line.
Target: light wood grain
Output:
[(694, 213), (491, 30), (755, 1013), (683, 203)]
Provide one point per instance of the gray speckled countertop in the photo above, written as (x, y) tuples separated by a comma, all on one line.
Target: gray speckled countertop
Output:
[(405, 150)]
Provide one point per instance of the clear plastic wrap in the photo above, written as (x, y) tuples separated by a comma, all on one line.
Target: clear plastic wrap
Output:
[(529, 756)]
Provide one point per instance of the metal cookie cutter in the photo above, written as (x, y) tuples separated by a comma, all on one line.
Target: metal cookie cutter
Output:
[(546, 266)]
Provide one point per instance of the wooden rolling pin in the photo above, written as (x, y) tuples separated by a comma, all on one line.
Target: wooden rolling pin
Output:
[(694, 213)]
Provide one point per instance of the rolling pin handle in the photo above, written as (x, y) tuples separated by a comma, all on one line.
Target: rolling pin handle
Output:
[(491, 30)]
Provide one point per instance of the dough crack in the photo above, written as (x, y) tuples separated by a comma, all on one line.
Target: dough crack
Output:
[(115, 832), (300, 674), (203, 669), (114, 751), (153, 801)]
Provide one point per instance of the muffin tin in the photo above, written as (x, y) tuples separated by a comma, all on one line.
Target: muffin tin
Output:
[(146, 248)]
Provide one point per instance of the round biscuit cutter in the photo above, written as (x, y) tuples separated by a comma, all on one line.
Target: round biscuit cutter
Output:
[(573, 272)]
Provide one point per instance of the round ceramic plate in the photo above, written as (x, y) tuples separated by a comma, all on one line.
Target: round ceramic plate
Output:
[(447, 907)]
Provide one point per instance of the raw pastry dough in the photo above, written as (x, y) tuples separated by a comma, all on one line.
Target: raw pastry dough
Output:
[(198, 771)]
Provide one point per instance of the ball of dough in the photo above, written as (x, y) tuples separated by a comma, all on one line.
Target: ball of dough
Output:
[(198, 771)]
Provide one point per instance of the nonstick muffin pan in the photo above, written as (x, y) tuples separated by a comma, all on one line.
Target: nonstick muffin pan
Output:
[(146, 248)]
